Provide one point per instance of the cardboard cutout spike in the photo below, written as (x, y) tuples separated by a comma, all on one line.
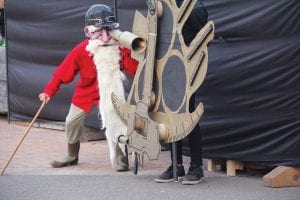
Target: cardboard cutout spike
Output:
[(169, 73)]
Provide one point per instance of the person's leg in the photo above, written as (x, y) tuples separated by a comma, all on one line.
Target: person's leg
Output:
[(195, 145), (195, 172), (179, 152), (73, 126), (121, 158), (117, 151), (74, 123), (167, 176)]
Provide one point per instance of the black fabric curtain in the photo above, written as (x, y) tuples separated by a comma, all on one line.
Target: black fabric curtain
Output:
[(251, 91), (40, 34)]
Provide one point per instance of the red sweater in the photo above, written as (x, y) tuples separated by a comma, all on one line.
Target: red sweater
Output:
[(79, 61)]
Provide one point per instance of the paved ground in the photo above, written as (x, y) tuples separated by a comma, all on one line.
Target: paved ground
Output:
[(44, 145), (29, 175)]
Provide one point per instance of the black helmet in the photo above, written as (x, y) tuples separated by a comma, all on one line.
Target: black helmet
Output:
[(101, 16)]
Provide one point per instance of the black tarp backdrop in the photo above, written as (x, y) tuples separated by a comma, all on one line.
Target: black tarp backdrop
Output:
[(251, 91), (40, 34)]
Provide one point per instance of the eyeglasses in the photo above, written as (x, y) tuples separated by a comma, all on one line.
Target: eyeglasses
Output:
[(92, 34)]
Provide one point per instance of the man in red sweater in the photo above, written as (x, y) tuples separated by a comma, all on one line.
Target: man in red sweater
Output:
[(99, 20)]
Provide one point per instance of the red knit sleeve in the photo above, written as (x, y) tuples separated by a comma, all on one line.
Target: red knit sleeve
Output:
[(66, 71), (128, 64), (52, 87)]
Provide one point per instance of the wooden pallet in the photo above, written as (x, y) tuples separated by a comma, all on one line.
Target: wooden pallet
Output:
[(231, 166)]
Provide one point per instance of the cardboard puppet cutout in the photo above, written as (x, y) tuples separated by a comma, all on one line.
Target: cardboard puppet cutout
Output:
[(169, 73)]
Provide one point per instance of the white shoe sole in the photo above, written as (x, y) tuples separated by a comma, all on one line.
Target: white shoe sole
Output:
[(164, 181), (167, 180), (192, 182)]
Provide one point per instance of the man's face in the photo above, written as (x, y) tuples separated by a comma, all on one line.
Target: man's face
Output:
[(95, 33)]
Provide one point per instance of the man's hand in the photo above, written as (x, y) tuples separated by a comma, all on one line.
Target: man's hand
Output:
[(44, 97)]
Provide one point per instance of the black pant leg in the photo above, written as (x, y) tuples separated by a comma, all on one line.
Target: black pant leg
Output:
[(195, 138), (179, 152), (195, 146)]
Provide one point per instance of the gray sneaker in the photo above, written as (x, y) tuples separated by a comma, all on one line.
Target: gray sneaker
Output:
[(194, 175), (167, 176)]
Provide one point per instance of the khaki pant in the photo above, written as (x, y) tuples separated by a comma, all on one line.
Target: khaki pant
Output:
[(74, 123)]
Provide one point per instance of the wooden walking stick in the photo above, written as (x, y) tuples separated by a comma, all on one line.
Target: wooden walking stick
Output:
[(24, 135)]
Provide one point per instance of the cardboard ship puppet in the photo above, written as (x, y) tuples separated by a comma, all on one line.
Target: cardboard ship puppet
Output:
[(168, 74)]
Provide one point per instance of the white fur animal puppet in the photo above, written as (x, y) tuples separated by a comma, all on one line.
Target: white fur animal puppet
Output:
[(107, 61)]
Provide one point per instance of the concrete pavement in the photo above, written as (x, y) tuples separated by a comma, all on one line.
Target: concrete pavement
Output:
[(44, 145), (29, 175)]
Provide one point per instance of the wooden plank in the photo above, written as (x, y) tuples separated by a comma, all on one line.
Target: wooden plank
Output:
[(282, 176), (215, 164), (211, 165), (232, 166)]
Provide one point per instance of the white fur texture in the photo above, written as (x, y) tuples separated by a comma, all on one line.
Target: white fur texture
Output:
[(107, 61)]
